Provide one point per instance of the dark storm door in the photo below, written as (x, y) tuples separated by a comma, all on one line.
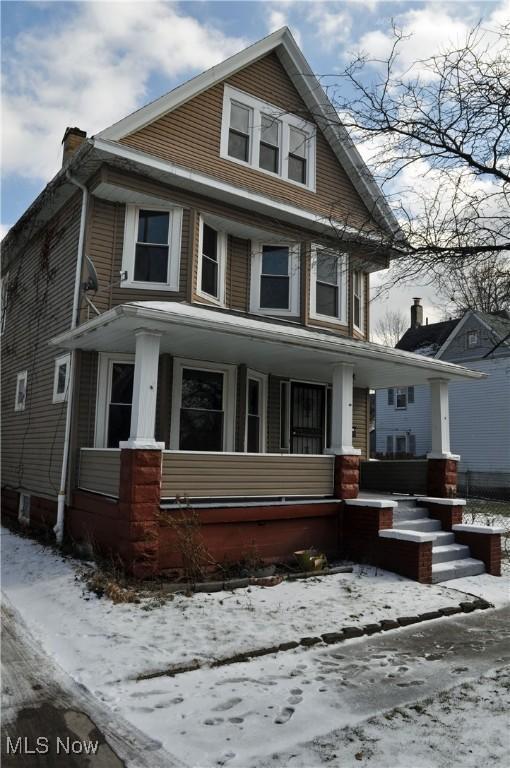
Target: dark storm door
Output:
[(306, 418)]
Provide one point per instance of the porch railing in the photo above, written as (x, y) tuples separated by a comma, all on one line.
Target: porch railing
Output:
[(99, 470), (225, 475)]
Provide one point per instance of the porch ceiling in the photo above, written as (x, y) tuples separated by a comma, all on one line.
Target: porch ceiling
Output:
[(271, 347)]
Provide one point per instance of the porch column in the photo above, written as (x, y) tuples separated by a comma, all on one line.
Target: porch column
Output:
[(145, 388), (442, 464), (346, 456)]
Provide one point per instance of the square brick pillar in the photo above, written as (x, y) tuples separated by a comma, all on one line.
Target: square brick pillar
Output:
[(346, 478), (442, 477), (139, 501), (484, 543)]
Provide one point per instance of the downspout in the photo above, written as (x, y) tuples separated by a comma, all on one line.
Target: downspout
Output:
[(61, 498)]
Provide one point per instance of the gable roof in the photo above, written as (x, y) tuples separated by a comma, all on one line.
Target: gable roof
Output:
[(427, 339), (310, 90)]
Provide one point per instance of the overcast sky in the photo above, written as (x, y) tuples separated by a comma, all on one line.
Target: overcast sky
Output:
[(90, 63)]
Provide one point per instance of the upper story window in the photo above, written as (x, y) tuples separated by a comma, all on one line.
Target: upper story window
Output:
[(267, 138), (473, 339), (401, 397), (211, 263), (328, 286), (61, 378), (152, 247), (275, 280), (358, 300), (21, 391)]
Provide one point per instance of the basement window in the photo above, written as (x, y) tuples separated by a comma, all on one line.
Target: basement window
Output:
[(24, 509)]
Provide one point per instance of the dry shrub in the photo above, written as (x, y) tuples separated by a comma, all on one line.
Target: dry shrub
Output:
[(195, 558)]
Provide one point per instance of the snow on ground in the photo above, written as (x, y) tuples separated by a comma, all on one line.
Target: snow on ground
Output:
[(233, 713), (435, 733), (87, 634)]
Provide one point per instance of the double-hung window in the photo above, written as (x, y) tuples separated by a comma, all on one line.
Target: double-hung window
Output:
[(401, 398), (115, 398), (358, 300), (269, 155), (472, 339), (152, 245), (61, 378), (255, 412), (239, 132), (211, 265), (328, 286), (275, 280), (267, 138), (21, 391)]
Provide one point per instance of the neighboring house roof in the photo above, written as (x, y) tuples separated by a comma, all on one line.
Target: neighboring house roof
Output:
[(499, 322), (427, 339)]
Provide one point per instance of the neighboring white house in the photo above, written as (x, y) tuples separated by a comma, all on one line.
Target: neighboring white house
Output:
[(479, 414)]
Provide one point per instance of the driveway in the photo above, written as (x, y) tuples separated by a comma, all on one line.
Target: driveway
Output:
[(39, 701)]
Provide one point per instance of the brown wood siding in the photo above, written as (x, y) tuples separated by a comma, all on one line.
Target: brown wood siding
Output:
[(225, 475), (99, 471), (360, 420), (40, 308), (238, 274), (86, 394), (190, 136)]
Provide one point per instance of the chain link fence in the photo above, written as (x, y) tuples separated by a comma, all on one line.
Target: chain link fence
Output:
[(488, 508)]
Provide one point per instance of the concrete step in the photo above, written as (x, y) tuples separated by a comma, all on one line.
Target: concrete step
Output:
[(442, 538), (406, 502), (446, 552), (456, 569), (423, 524), (410, 513)]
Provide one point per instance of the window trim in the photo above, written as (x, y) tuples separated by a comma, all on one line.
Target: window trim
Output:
[(103, 392), (294, 279), (24, 504), (174, 247), (342, 272), (60, 360), (257, 107), (261, 378), (21, 376), (229, 400), (475, 332), (222, 263), (360, 328)]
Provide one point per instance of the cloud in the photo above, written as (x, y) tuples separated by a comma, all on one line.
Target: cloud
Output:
[(92, 67), (332, 23)]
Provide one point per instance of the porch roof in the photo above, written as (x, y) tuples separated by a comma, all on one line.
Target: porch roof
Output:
[(283, 349)]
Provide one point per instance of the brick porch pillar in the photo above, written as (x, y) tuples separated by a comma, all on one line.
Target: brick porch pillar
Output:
[(139, 500), (447, 510), (442, 477), (442, 464), (484, 543), (346, 480)]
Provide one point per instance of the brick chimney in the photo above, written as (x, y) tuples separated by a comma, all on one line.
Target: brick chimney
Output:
[(73, 138), (416, 313)]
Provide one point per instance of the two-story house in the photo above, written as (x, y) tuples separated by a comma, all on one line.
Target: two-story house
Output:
[(479, 415), (185, 315)]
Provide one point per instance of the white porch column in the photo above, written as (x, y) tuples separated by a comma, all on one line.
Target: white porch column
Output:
[(145, 387), (341, 411), (440, 418)]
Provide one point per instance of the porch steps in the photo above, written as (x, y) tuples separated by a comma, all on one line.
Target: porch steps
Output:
[(449, 559)]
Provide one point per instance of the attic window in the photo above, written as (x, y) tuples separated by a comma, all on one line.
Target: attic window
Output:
[(267, 138), (473, 339)]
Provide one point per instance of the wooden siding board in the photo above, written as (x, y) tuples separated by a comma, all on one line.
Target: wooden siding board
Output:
[(190, 136), (99, 471)]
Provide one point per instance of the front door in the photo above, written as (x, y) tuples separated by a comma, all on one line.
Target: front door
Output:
[(306, 418)]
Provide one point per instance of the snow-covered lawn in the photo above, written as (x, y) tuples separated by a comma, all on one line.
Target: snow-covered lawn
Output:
[(199, 716)]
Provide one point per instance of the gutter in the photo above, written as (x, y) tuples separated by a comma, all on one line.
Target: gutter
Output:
[(61, 498)]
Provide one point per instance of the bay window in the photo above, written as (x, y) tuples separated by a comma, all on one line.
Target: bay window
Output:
[(152, 244), (211, 264), (328, 286), (358, 300)]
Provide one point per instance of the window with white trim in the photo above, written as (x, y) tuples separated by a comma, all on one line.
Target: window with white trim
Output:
[(24, 509), (267, 138), (152, 248), (211, 263), (473, 339), (21, 391), (358, 300), (328, 286), (203, 406), (275, 279), (256, 403), (114, 399), (401, 398), (61, 378)]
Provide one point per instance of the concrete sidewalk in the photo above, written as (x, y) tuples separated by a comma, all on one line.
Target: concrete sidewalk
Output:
[(39, 701)]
